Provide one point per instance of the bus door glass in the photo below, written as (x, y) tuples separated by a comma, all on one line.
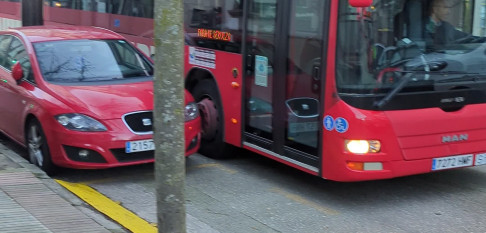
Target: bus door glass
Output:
[(260, 65), (303, 78), (283, 82)]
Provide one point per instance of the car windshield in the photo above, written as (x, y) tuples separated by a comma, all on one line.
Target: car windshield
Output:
[(409, 46), (71, 61)]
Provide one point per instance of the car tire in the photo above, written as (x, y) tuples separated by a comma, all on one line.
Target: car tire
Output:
[(38, 150), (212, 128)]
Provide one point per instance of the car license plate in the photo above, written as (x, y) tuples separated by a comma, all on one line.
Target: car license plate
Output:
[(452, 162), (480, 159), (141, 145)]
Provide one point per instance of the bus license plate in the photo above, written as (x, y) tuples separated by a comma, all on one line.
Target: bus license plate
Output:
[(137, 146), (480, 159), (452, 162)]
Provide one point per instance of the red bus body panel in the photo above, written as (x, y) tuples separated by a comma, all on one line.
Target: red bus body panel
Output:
[(10, 10), (230, 88)]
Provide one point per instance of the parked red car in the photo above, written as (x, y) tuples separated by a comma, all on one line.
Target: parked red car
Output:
[(80, 97)]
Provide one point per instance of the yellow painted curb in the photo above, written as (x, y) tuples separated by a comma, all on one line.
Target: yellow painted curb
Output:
[(110, 208)]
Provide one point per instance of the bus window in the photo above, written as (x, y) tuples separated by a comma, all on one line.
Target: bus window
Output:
[(100, 6), (214, 24), (138, 8), (134, 8), (71, 4), (305, 36)]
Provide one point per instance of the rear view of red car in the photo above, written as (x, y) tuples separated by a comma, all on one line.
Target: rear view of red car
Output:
[(80, 97)]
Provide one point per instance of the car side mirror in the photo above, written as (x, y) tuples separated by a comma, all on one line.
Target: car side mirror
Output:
[(17, 72)]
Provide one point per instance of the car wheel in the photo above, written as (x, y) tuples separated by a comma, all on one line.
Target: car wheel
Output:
[(37, 147), (211, 111)]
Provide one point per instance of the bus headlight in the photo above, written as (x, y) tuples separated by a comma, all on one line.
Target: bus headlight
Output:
[(363, 146)]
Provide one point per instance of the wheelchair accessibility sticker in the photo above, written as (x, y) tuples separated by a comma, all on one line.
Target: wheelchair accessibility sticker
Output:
[(339, 124)]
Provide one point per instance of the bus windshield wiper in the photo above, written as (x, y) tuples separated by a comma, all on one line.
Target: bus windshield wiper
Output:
[(470, 77), (401, 84)]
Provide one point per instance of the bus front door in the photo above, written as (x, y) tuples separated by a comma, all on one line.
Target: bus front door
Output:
[(284, 47)]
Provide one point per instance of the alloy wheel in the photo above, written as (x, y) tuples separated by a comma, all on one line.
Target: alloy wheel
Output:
[(35, 142)]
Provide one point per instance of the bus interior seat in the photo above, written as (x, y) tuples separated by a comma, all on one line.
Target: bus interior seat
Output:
[(208, 19), (410, 23), (311, 54), (409, 31)]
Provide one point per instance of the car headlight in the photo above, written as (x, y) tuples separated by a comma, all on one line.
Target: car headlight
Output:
[(80, 122), (191, 112)]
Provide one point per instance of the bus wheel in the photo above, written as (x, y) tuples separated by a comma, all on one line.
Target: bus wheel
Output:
[(37, 147), (210, 119), (212, 142)]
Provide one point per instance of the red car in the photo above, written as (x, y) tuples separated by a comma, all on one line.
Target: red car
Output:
[(80, 97)]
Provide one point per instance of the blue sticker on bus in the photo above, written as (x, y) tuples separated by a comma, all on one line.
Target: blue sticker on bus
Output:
[(341, 125), (116, 23), (328, 123)]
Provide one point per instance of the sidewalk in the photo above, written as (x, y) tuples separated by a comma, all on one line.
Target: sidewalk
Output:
[(30, 201)]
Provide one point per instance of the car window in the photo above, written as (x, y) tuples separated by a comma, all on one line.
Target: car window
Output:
[(17, 53), (126, 56), (71, 61), (4, 44)]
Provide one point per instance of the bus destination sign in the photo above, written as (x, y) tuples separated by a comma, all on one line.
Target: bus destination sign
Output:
[(214, 34)]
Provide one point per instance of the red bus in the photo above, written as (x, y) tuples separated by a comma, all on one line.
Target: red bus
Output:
[(340, 91)]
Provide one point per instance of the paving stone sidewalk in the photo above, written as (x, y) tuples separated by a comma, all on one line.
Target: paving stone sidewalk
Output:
[(30, 201)]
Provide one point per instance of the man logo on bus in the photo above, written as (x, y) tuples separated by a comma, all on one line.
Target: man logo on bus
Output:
[(455, 138)]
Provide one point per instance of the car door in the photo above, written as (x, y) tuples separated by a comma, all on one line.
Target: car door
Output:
[(4, 79), (15, 96)]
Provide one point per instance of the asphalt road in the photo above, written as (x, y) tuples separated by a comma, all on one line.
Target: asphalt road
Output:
[(249, 193)]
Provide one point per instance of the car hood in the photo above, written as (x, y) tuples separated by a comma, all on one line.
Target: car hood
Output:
[(106, 101)]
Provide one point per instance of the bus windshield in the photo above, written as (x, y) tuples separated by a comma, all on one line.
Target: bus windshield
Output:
[(397, 49)]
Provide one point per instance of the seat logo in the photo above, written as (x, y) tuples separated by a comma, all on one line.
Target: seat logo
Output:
[(146, 122), (455, 138)]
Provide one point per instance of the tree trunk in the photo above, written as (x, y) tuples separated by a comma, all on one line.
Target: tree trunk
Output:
[(32, 12), (169, 116)]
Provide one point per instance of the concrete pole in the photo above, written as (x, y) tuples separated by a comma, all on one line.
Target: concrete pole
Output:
[(169, 116)]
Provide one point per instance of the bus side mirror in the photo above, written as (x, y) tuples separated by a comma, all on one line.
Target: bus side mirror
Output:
[(17, 72), (360, 3)]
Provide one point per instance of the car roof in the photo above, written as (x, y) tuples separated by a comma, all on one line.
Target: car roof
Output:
[(52, 33)]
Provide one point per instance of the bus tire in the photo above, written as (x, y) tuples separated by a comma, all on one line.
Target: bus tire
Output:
[(212, 124)]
